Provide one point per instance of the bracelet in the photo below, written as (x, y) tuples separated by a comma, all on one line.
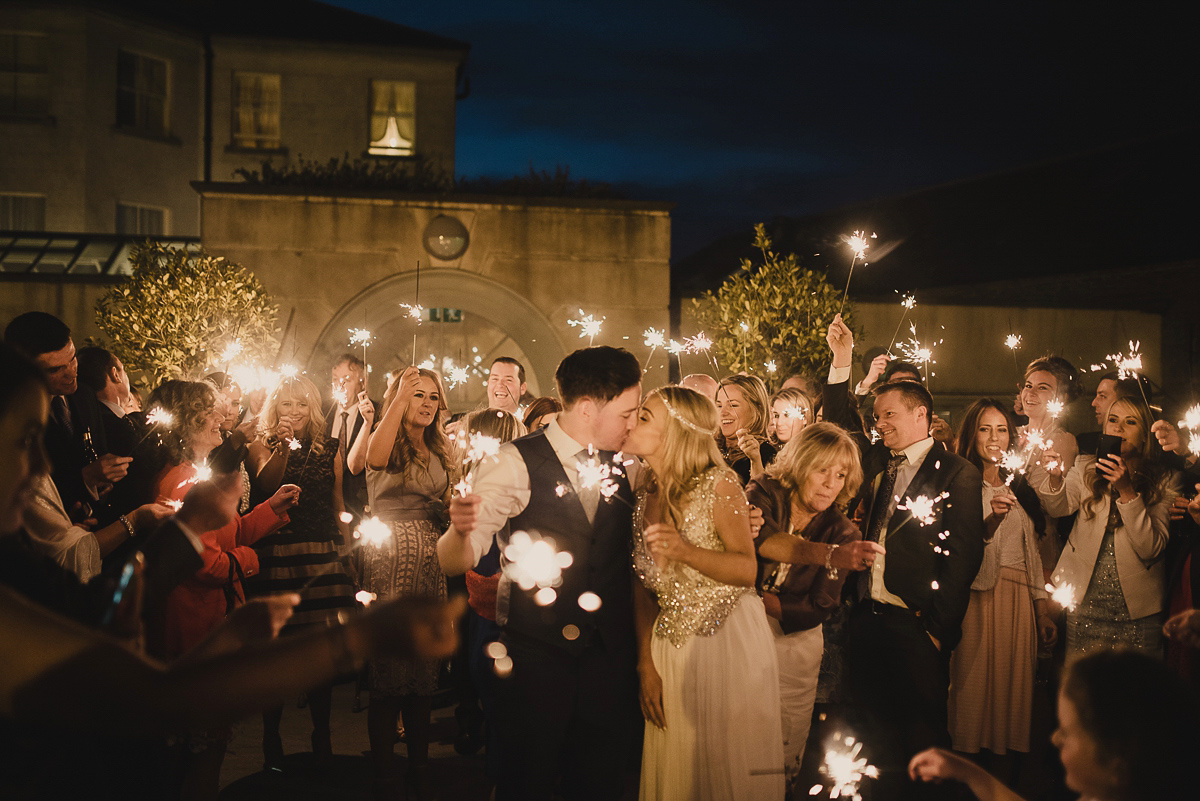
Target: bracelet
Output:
[(830, 570), (128, 526)]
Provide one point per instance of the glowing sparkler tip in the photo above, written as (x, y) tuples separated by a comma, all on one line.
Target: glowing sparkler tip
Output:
[(1055, 408), (373, 531), (365, 598), (414, 311), (232, 351), (588, 325), (771, 366), (293, 444), (457, 376), (159, 416), (289, 371), (346, 517), (1063, 595), (1012, 341), (359, 336), (653, 338), (909, 301), (922, 507)]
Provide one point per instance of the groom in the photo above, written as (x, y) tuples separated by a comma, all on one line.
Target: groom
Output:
[(567, 714)]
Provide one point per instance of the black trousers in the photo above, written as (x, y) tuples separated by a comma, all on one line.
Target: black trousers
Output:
[(567, 723), (900, 684)]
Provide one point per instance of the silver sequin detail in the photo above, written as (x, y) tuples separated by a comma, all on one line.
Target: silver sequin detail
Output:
[(690, 603)]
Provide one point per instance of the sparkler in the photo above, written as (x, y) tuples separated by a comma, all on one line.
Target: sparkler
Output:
[(365, 598), (588, 326), (1128, 365), (415, 311), (922, 507), (231, 352), (917, 353), (289, 371), (159, 418), (534, 562), (858, 246), (745, 329), (339, 396), (203, 473), (1013, 343), (456, 376), (1191, 422), (1014, 462), (701, 343), (1063, 595), (653, 339), (907, 302), (771, 366), (361, 336), (1055, 408), (845, 768)]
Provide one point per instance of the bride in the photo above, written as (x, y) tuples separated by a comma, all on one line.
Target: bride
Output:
[(706, 658)]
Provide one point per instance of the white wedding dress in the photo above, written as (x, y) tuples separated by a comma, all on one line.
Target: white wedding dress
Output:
[(715, 653)]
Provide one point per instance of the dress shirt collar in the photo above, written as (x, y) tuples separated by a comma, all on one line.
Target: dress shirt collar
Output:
[(914, 454), (117, 410), (564, 445)]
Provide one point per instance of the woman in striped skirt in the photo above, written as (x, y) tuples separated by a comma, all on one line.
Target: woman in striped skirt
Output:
[(305, 556)]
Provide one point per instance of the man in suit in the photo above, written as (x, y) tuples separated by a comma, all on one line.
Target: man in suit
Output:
[(81, 466), (345, 420), (912, 600), (568, 710)]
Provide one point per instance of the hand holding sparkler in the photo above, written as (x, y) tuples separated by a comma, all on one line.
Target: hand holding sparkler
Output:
[(284, 498), (878, 365), (464, 513), (366, 409), (841, 342), (1168, 437), (938, 764)]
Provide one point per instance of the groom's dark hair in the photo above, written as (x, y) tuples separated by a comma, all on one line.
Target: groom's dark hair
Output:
[(600, 373)]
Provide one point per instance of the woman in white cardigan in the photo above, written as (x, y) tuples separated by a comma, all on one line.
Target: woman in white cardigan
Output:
[(1113, 558)]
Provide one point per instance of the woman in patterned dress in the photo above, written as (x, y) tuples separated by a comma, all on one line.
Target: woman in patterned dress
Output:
[(305, 556), (706, 659), (409, 474)]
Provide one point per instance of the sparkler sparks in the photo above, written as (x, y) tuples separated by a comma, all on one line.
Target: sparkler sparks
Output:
[(231, 352), (858, 245), (908, 302), (339, 396), (534, 562), (414, 311), (159, 416), (1012, 341), (1063, 595), (588, 326), (1128, 364), (373, 531), (365, 598), (771, 366), (1014, 463), (289, 371), (294, 444), (359, 336), (457, 376), (653, 338), (594, 473), (1191, 422), (845, 768), (922, 507), (1055, 408), (203, 473), (676, 348), (701, 343)]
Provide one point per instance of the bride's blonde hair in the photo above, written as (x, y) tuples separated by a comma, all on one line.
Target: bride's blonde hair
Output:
[(688, 448)]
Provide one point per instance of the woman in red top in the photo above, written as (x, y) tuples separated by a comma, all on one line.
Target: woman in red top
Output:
[(201, 602)]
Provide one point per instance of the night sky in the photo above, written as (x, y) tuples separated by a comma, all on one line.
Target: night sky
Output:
[(741, 112)]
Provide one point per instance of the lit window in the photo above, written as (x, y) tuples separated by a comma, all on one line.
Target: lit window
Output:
[(393, 118), (24, 75), (256, 102), (142, 93), (141, 220), (22, 213)]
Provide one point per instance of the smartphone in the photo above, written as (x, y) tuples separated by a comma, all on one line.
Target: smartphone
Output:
[(1108, 446), (122, 586)]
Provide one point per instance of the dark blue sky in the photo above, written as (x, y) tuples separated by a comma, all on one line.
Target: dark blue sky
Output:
[(740, 112)]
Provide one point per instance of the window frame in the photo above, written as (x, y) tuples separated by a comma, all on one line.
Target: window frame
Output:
[(16, 71), (375, 150), (137, 126), (5, 223), (140, 208), (241, 143)]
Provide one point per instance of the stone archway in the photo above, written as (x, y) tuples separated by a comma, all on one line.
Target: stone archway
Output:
[(378, 305)]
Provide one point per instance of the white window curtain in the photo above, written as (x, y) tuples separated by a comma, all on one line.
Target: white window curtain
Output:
[(256, 111), (393, 118)]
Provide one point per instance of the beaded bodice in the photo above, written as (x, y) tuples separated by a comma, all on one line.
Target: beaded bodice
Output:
[(690, 603)]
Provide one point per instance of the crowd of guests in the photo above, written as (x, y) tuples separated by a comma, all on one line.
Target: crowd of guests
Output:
[(748, 572)]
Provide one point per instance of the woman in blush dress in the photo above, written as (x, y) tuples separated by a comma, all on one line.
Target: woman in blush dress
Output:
[(706, 660), (409, 473)]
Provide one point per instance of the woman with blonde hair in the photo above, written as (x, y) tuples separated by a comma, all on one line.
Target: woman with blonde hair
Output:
[(410, 469), (742, 414), (791, 411), (1113, 558), (801, 497), (705, 660), (306, 555)]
